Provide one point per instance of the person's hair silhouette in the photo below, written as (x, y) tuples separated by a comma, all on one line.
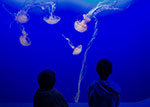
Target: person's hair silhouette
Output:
[(46, 95), (104, 92), (104, 69), (46, 80)]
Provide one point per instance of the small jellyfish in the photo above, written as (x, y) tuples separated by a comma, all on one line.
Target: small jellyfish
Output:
[(24, 40), (50, 18), (81, 26), (22, 17), (76, 50), (42, 8)]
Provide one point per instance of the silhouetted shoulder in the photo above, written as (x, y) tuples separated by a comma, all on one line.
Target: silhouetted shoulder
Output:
[(104, 94), (50, 98)]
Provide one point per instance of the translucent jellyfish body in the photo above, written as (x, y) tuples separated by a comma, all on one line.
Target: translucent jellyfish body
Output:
[(81, 26), (48, 8), (51, 19), (77, 50), (22, 17), (24, 40)]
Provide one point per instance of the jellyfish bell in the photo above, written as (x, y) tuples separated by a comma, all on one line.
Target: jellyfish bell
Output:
[(22, 17), (42, 8), (80, 26), (77, 50), (52, 19), (25, 41)]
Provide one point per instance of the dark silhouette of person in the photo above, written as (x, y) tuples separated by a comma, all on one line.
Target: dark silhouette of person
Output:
[(46, 95), (104, 92)]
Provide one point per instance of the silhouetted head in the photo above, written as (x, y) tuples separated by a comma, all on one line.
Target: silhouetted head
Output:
[(104, 68), (46, 80)]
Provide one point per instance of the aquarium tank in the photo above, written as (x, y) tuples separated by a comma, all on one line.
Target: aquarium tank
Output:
[(70, 37)]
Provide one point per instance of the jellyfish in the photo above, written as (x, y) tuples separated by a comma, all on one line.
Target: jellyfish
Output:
[(21, 17), (83, 70), (50, 18), (76, 50), (24, 40), (81, 26), (48, 8)]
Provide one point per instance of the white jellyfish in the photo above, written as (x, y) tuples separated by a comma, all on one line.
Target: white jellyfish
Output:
[(49, 8), (52, 19), (21, 17), (81, 26), (24, 40), (76, 50)]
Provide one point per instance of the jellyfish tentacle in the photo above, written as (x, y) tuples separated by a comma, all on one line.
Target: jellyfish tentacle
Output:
[(10, 25), (12, 14), (82, 71), (53, 7), (114, 3), (29, 6), (89, 14), (100, 3), (101, 7), (69, 42), (24, 40), (21, 27), (51, 19)]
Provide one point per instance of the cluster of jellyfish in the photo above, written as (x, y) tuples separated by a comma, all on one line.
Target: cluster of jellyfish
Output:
[(22, 17)]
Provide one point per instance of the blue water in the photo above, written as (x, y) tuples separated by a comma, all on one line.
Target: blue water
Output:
[(123, 37), (143, 103)]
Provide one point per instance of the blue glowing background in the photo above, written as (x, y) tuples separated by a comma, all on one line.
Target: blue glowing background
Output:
[(123, 38)]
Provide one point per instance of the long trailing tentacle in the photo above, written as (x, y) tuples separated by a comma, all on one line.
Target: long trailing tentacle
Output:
[(82, 71), (10, 25), (114, 3), (29, 6), (53, 8), (101, 6), (69, 42), (50, 8), (7, 10), (101, 3)]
